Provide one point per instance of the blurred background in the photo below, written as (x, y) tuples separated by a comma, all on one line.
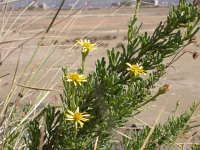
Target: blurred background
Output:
[(90, 3)]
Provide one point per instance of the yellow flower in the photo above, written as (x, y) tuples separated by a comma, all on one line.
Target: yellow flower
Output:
[(86, 45), (77, 117), (75, 78), (136, 69)]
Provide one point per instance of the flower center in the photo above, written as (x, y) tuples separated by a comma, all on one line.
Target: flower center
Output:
[(77, 116), (136, 68), (87, 45), (74, 77)]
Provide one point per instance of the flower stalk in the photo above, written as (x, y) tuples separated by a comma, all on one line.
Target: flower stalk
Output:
[(84, 55), (73, 104), (87, 46)]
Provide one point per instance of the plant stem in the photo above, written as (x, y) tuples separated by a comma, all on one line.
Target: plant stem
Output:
[(73, 97), (54, 18), (136, 9), (83, 64), (146, 102), (75, 130)]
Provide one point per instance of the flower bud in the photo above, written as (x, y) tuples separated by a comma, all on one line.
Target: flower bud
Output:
[(163, 89), (195, 55)]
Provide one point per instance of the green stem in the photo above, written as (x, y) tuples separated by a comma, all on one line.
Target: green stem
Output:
[(73, 97), (146, 102), (75, 130), (136, 9), (83, 64)]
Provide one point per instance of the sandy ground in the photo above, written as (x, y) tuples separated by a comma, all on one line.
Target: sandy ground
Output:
[(106, 27)]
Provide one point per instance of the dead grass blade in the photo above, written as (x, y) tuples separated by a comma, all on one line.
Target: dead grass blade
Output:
[(152, 129), (146, 124), (36, 36), (55, 16), (17, 18), (96, 142), (38, 89), (7, 42), (8, 2), (2, 76), (5, 103), (124, 135)]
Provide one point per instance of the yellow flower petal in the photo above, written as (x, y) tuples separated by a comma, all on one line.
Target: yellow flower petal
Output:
[(136, 69), (81, 123), (84, 119), (75, 78), (77, 109), (86, 45), (77, 117), (70, 112)]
